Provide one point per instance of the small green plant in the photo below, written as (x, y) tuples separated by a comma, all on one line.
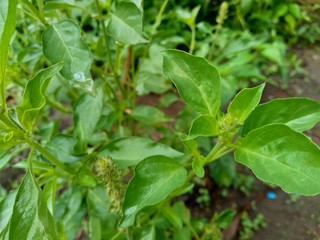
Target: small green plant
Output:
[(91, 166), (250, 226)]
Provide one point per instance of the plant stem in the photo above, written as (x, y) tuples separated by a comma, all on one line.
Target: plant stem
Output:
[(159, 16), (34, 12), (106, 39), (211, 156), (193, 39), (116, 235), (49, 156), (195, 234), (3, 106)]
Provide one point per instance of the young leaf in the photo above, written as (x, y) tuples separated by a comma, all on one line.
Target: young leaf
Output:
[(7, 27), (300, 114), (244, 103), (130, 151), (277, 154), (86, 178), (198, 166), (63, 42), (31, 218), (34, 96), (154, 179), (205, 126), (125, 24), (197, 81), (87, 112)]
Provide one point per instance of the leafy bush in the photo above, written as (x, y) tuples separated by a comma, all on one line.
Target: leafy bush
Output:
[(91, 165)]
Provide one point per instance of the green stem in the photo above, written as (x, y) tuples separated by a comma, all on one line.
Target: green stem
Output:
[(159, 16), (116, 235), (214, 151), (106, 39), (133, 80), (49, 156), (3, 106), (40, 6), (34, 12), (193, 39), (29, 160), (117, 57), (218, 151), (195, 234), (34, 145), (222, 153), (51, 101)]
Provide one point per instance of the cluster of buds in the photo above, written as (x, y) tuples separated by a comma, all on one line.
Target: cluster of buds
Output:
[(223, 11), (111, 177)]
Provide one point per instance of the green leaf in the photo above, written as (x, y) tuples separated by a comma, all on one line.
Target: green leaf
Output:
[(225, 218), (146, 233), (188, 17), (205, 126), (31, 218), (274, 52), (149, 115), (154, 179), (69, 210), (244, 103), (300, 114), (125, 24), (281, 10), (138, 3), (7, 28), (223, 171), (172, 216), (4, 235), (61, 146), (34, 97), (6, 208), (198, 166), (149, 77), (49, 193), (94, 228), (8, 140), (277, 154), (63, 42), (86, 178), (98, 203), (130, 151), (87, 112), (197, 81), (295, 10)]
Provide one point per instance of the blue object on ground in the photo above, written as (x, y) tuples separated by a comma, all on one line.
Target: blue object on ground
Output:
[(271, 195)]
